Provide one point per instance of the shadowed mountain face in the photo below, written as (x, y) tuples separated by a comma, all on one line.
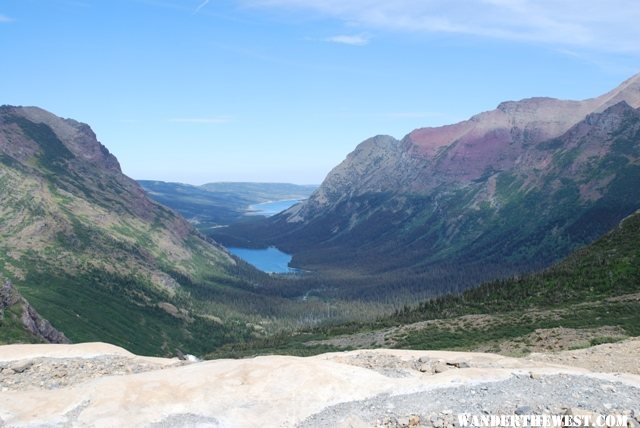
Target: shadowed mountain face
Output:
[(85, 246), (506, 191)]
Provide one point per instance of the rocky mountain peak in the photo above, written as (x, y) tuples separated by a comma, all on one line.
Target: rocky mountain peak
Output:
[(465, 151), (526, 105), (612, 113), (365, 164), (69, 152), (628, 91), (77, 137)]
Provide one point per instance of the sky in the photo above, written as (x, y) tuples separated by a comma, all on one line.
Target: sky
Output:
[(199, 91)]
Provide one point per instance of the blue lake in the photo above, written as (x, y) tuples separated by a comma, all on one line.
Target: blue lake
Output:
[(269, 260), (272, 207)]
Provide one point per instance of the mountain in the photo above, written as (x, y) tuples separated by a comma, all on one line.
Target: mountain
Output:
[(88, 251), (216, 204), (507, 191)]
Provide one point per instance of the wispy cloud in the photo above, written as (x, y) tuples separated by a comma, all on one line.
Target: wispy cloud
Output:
[(203, 4), (216, 120), (593, 24), (354, 40), (5, 19)]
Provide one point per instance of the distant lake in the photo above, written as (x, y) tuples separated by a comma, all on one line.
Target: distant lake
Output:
[(272, 207), (270, 260)]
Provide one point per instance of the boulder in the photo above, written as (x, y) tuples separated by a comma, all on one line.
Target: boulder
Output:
[(440, 367), (21, 366)]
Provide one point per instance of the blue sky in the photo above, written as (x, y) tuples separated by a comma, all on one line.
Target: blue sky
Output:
[(282, 90)]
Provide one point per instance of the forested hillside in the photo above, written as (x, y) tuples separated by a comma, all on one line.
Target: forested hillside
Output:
[(592, 295)]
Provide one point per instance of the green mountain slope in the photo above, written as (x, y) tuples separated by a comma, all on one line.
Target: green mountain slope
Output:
[(93, 255), (20, 322), (609, 268), (595, 290)]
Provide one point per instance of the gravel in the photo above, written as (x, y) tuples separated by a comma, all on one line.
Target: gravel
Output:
[(519, 394), (186, 420), (54, 373)]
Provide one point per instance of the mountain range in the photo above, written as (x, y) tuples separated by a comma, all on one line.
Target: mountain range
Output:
[(86, 255), (507, 191)]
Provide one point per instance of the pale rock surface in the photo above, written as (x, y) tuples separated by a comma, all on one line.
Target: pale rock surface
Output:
[(278, 391)]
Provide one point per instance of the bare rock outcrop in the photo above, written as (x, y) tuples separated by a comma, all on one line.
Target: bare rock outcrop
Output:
[(96, 384), (30, 318)]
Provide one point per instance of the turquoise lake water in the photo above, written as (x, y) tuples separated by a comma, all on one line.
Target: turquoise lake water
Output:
[(269, 260), (271, 208)]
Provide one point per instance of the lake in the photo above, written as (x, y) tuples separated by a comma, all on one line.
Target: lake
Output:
[(272, 207), (270, 260)]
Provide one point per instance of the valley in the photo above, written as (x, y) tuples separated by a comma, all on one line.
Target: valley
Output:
[(214, 205), (397, 248), (591, 297), (217, 205), (320, 214)]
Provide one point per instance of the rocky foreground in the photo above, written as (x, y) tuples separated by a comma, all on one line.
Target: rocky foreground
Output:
[(101, 385)]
